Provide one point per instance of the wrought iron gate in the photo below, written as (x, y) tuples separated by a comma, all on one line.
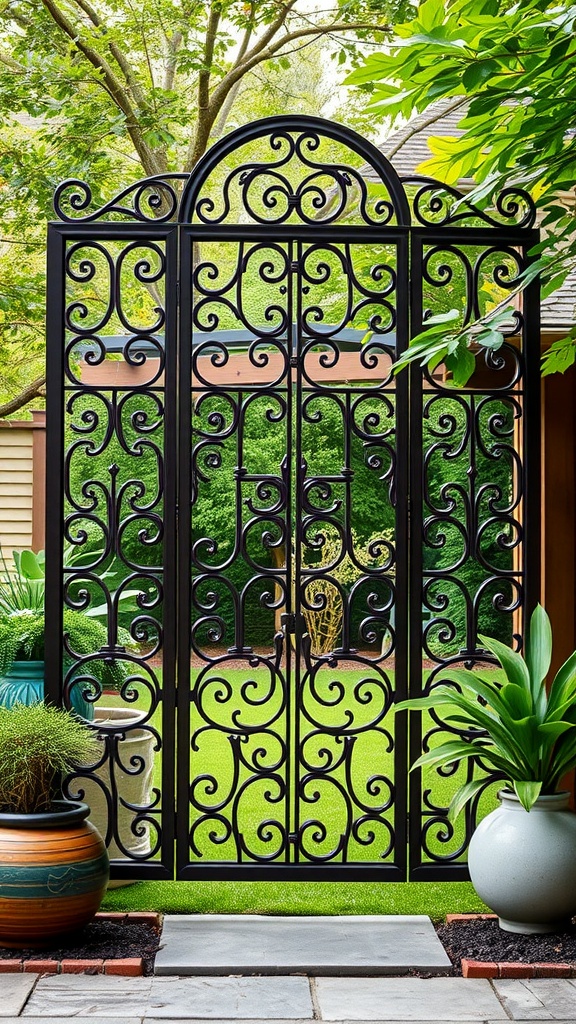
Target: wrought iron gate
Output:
[(282, 536)]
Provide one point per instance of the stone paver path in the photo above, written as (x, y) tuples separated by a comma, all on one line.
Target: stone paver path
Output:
[(407, 999), (199, 944), (101, 999)]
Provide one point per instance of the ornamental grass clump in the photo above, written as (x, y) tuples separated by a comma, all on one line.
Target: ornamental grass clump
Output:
[(525, 734), (38, 744)]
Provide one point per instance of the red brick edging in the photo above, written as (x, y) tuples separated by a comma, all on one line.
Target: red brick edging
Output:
[(507, 969), (129, 967)]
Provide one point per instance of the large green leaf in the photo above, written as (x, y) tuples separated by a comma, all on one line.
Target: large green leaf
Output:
[(527, 792), (513, 663), (516, 700), (539, 655), (30, 566), (463, 796), (446, 753), (564, 685)]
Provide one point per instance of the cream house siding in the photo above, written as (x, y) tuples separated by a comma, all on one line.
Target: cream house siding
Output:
[(16, 489)]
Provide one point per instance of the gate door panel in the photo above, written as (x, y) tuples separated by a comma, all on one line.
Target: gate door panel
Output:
[(293, 296), (111, 531), (475, 486)]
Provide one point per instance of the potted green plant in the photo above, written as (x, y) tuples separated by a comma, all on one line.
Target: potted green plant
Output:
[(22, 595), (521, 856), (22, 658), (53, 863)]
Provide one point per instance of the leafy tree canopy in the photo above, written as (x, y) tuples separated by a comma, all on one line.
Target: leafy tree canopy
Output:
[(112, 91), (512, 65)]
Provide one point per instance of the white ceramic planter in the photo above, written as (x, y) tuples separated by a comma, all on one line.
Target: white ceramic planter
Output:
[(134, 789), (523, 863)]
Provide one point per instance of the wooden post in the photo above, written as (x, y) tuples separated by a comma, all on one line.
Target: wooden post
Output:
[(558, 496), (39, 478)]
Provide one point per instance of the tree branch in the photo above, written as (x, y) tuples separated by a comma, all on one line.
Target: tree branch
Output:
[(409, 132), (28, 394), (174, 44), (270, 32), (205, 118), (113, 86), (116, 52), (258, 55)]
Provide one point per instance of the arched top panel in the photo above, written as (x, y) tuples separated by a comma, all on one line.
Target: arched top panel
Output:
[(294, 170)]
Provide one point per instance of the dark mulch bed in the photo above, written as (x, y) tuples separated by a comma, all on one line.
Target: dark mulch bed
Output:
[(100, 940), (485, 940)]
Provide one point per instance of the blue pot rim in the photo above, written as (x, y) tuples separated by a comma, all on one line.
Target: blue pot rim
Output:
[(65, 813)]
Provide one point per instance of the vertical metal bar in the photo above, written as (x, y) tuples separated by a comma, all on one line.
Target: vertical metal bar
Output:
[(183, 705), (532, 444), (415, 556), (55, 401), (294, 516), (170, 550), (402, 491)]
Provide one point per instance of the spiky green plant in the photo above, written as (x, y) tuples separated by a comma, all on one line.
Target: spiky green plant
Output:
[(38, 744), (528, 736), (22, 587)]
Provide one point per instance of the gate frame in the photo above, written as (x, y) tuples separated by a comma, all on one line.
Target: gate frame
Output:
[(165, 228)]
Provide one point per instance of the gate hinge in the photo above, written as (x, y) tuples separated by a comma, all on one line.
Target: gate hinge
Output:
[(288, 622)]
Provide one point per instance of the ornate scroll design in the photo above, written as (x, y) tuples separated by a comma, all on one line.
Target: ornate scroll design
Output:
[(153, 200), (436, 204), (473, 520), (113, 570), (239, 753), (345, 569), (293, 177)]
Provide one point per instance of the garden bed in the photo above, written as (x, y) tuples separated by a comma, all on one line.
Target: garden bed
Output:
[(479, 948), (127, 943), (124, 944)]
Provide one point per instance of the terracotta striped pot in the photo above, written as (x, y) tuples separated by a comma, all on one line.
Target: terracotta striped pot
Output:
[(53, 874)]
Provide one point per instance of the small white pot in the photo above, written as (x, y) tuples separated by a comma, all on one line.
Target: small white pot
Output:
[(522, 863), (134, 789)]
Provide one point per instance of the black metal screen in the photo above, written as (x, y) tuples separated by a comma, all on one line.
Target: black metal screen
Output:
[(281, 536)]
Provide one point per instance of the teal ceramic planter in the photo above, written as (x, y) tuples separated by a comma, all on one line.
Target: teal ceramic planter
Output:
[(53, 874), (23, 683)]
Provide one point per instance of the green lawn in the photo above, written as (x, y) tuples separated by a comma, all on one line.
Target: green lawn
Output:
[(433, 898), (370, 757)]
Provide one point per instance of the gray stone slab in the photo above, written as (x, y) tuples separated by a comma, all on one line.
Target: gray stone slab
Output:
[(413, 999), (250, 944), (97, 995), (14, 991), (539, 999), (237, 998)]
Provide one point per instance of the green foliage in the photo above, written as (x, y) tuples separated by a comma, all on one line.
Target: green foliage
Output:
[(22, 639), (510, 69), (22, 588), (39, 743), (519, 731), (110, 92)]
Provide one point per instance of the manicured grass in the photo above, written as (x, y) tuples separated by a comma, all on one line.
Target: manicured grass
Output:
[(351, 708), (433, 898)]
